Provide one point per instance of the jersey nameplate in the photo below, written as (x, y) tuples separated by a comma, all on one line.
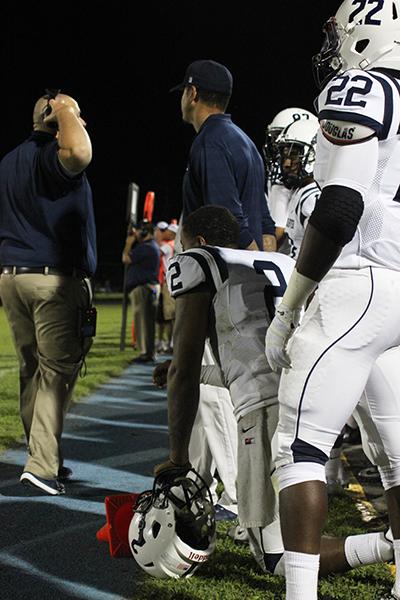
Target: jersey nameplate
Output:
[(342, 132)]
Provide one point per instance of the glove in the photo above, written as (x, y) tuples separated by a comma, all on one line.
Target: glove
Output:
[(278, 334), (168, 470)]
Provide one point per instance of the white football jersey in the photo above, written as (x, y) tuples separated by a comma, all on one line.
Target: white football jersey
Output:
[(301, 205), (278, 202), (365, 99), (246, 287)]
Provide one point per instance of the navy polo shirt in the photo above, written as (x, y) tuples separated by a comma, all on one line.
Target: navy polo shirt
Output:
[(145, 264), (46, 215), (226, 168)]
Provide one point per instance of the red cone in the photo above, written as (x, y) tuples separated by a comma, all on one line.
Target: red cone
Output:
[(119, 513)]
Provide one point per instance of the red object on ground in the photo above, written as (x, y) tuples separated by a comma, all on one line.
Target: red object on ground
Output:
[(119, 513)]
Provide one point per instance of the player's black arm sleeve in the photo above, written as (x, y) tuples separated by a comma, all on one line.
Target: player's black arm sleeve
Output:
[(331, 226)]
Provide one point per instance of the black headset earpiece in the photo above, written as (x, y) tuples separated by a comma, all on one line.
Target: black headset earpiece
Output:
[(145, 228), (50, 94)]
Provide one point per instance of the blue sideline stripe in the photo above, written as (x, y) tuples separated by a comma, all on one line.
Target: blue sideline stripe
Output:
[(118, 423), (77, 590)]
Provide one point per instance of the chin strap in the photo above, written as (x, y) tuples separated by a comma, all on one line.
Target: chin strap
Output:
[(365, 63)]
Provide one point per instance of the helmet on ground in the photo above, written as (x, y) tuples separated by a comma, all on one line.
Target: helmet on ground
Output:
[(296, 149), (281, 120), (362, 35), (172, 531)]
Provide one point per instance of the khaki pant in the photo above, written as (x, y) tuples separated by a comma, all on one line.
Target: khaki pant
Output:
[(43, 314), (168, 304), (144, 299)]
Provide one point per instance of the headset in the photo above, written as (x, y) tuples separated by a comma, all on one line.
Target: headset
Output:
[(144, 228), (50, 94)]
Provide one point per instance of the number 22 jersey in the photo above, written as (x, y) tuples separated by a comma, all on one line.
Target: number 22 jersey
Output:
[(245, 287), (349, 102)]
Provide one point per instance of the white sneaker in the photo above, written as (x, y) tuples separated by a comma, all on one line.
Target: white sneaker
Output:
[(238, 534)]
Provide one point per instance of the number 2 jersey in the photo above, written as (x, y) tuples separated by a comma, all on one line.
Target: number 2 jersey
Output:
[(371, 99), (245, 287)]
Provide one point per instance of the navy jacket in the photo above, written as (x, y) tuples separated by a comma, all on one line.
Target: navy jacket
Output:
[(145, 264), (226, 168)]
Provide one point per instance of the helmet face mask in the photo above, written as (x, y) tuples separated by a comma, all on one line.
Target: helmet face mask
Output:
[(296, 154), (296, 160), (172, 531), (271, 149), (362, 35), (327, 62)]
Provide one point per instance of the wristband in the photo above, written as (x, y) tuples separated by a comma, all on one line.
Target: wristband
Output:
[(298, 290)]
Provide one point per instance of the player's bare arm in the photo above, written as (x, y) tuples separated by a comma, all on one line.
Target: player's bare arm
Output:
[(191, 326)]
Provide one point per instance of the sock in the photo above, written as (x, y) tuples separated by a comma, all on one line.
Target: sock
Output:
[(301, 575), (367, 549), (271, 561), (396, 587), (333, 469), (280, 566)]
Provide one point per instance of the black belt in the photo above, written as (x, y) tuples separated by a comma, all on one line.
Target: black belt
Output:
[(70, 272)]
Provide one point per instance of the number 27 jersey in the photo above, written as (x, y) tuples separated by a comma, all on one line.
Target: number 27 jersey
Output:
[(245, 286)]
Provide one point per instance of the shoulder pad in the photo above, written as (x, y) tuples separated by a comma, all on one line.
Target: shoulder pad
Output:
[(195, 267), (344, 132), (183, 274), (358, 98)]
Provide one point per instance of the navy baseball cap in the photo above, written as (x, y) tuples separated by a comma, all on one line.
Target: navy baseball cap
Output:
[(207, 75)]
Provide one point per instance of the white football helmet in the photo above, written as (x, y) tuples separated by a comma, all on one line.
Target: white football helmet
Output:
[(296, 150), (281, 120), (362, 35), (172, 531)]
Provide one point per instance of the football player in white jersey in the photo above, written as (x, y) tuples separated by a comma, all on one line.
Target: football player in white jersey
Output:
[(226, 295), (351, 252), (293, 166), (277, 193)]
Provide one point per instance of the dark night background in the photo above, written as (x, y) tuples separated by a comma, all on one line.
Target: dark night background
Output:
[(119, 59)]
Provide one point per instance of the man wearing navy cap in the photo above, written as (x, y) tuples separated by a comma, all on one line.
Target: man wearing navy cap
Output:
[(224, 166)]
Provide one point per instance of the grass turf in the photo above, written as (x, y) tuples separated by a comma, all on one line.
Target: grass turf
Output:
[(231, 573)]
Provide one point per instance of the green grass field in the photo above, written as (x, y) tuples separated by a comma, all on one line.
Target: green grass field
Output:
[(231, 573)]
